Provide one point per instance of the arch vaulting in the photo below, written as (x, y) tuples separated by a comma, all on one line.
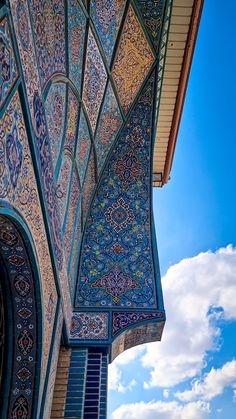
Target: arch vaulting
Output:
[(81, 89)]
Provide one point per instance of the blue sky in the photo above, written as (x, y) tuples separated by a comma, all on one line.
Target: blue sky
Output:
[(191, 374)]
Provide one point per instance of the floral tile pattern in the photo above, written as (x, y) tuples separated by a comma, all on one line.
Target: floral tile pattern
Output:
[(116, 267), (55, 107), (133, 60), (109, 124), (107, 16), (83, 147), (49, 34), (94, 80), (8, 68), (76, 36)]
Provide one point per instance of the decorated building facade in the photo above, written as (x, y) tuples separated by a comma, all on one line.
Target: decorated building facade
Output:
[(91, 95)]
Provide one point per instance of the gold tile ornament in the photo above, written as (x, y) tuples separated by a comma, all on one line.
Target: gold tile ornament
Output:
[(133, 61)]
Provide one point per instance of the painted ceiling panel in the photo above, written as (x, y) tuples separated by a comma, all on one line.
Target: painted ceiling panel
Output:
[(83, 147), (152, 13), (55, 112), (72, 119), (76, 36), (116, 263), (49, 33), (8, 68), (94, 80), (107, 15), (133, 60), (109, 124)]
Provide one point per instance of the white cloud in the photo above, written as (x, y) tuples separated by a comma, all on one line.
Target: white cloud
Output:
[(115, 380), (166, 393), (212, 384), (162, 410), (193, 290)]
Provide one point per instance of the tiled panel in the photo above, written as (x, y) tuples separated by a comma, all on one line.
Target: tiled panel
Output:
[(18, 187), (152, 14), (75, 248), (21, 283), (55, 111), (116, 267), (94, 80), (83, 147), (89, 186), (8, 68), (48, 19), (71, 215), (107, 16), (109, 124), (133, 60), (76, 34), (89, 325), (72, 119), (63, 185)]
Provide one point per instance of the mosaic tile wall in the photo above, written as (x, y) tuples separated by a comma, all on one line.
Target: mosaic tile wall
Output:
[(84, 77), (18, 187)]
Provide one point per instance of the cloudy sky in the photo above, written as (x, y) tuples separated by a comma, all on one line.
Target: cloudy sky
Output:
[(191, 374)]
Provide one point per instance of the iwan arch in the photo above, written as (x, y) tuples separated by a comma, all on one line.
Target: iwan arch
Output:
[(91, 98)]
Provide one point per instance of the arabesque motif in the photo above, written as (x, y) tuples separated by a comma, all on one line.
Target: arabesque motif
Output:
[(152, 13), (94, 80), (21, 284), (108, 126), (72, 119), (48, 18), (133, 60), (107, 15), (89, 326), (8, 67), (76, 36), (25, 197), (119, 220), (123, 320), (55, 106), (83, 147)]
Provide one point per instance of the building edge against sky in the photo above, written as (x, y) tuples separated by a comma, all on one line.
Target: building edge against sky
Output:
[(91, 100)]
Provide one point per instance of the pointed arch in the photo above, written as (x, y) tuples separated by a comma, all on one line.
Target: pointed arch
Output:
[(22, 328)]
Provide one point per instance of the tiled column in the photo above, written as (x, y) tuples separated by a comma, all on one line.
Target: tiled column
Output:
[(81, 384), (95, 405)]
